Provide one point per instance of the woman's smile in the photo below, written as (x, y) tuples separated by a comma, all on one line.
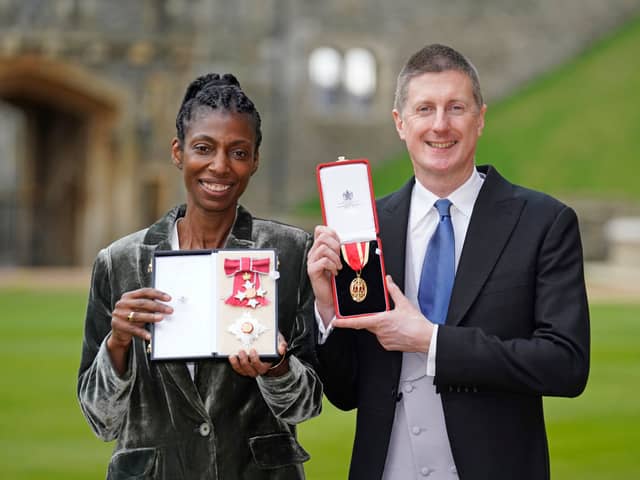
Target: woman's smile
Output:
[(215, 187)]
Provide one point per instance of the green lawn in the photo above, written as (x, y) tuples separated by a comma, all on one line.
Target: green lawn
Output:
[(43, 434)]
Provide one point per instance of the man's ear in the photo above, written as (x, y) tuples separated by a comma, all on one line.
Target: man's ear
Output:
[(397, 120), (176, 153), (483, 110)]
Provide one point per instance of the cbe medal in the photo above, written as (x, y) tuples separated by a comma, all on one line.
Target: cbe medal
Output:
[(246, 273), (249, 294), (247, 329), (356, 255)]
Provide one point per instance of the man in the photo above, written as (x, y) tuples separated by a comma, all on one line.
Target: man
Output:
[(490, 310)]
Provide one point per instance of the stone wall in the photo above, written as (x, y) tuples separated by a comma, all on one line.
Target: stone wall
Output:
[(123, 67)]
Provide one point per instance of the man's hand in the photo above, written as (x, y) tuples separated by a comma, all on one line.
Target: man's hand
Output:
[(402, 329), (323, 262)]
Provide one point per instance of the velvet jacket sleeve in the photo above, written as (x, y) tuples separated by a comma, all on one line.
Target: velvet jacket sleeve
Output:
[(103, 394), (297, 395)]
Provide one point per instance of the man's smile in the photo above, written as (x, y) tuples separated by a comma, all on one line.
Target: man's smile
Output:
[(442, 144)]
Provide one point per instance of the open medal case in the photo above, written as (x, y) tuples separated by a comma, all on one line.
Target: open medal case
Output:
[(223, 301), (348, 206)]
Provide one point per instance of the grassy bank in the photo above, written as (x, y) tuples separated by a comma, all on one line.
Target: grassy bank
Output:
[(570, 133)]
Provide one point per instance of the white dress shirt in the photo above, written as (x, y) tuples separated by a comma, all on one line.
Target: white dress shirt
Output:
[(423, 220), (419, 445)]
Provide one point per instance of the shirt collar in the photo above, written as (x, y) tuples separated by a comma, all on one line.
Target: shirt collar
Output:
[(174, 239), (463, 198)]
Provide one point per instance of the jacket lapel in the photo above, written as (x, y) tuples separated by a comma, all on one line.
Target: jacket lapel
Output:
[(156, 239), (393, 218), (179, 373), (235, 242), (145, 264), (495, 215), (240, 236)]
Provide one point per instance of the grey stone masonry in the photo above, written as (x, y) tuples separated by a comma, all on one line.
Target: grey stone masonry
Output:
[(117, 70)]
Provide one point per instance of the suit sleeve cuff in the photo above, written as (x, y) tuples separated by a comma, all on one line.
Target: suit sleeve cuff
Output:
[(323, 332), (431, 355)]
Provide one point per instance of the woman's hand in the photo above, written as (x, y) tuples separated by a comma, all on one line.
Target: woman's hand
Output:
[(131, 313), (250, 365)]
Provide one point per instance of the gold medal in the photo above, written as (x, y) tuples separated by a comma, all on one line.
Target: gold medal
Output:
[(358, 289), (246, 327), (356, 255)]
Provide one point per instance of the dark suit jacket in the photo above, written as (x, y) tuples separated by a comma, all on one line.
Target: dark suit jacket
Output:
[(517, 329)]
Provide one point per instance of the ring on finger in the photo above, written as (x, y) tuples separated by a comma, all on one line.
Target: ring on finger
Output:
[(130, 316)]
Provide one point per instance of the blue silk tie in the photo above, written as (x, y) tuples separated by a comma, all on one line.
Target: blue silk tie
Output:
[(438, 269)]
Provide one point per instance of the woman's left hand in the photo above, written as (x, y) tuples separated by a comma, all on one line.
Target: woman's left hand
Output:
[(250, 365)]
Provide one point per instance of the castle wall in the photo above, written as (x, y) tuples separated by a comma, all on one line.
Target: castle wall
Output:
[(131, 61)]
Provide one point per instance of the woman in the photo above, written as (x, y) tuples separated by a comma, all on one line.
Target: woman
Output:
[(213, 419)]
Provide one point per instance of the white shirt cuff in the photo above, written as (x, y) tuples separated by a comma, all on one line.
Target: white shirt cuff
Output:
[(323, 332), (431, 356)]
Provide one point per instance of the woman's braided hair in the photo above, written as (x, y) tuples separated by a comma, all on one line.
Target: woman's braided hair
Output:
[(217, 92)]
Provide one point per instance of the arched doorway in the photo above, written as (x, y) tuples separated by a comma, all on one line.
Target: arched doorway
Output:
[(60, 204)]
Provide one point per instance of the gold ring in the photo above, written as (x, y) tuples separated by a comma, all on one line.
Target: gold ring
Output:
[(130, 316)]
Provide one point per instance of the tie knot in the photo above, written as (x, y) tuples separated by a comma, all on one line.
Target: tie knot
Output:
[(443, 206)]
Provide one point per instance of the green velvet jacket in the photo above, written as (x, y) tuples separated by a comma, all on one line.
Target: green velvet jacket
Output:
[(222, 425)]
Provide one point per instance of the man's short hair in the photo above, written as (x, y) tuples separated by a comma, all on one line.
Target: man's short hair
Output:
[(435, 58)]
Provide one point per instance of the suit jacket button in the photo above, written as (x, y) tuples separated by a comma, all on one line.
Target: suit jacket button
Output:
[(204, 429)]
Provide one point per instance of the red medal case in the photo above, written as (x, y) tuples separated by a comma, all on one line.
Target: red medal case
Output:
[(349, 207)]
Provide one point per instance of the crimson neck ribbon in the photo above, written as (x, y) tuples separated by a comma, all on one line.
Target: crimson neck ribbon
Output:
[(246, 272), (356, 255)]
